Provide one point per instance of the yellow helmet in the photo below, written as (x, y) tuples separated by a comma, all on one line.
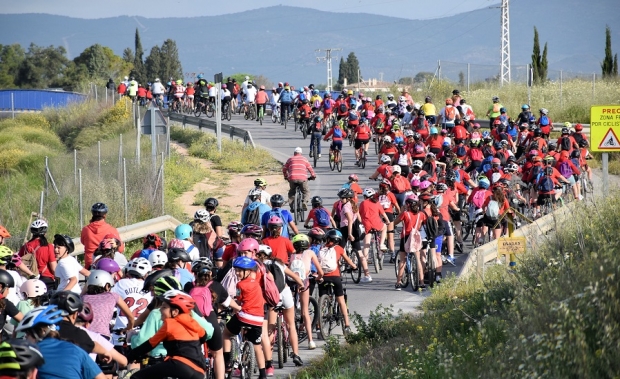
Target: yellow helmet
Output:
[(179, 82), (350, 92)]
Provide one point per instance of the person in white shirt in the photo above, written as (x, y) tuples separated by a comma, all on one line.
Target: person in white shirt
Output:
[(245, 83), (467, 111), (157, 88), (225, 96), (250, 94), (212, 92), (68, 269)]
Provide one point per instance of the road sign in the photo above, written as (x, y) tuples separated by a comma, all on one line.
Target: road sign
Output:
[(154, 120), (511, 245), (218, 78), (604, 128)]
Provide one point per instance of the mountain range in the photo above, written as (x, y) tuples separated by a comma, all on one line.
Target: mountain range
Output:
[(280, 42)]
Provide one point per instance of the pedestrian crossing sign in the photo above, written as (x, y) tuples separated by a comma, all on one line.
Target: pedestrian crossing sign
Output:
[(605, 128)]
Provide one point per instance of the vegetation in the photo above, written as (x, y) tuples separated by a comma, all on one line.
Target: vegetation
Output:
[(555, 316), (609, 66), (349, 70), (539, 63)]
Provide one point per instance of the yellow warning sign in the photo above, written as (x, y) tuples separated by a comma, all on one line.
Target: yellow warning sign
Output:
[(511, 245), (605, 128)]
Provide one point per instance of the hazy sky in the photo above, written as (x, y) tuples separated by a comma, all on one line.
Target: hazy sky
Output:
[(412, 9)]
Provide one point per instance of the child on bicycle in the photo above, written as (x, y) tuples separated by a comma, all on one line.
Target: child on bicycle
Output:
[(337, 134), (316, 237), (316, 128)]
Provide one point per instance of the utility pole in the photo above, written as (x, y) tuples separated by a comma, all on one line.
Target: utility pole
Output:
[(505, 46), (327, 58)]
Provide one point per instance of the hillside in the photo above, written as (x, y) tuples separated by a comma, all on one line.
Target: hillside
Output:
[(279, 42)]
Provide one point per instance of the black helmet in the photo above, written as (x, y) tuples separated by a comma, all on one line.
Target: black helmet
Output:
[(277, 200), (21, 352), (211, 203), (428, 99), (67, 301), (346, 193), (99, 208), (178, 255), (334, 235), (421, 112), (456, 92), (583, 143), (311, 86), (316, 200), (537, 132), (152, 278), (6, 279), (64, 240), (378, 97), (450, 175)]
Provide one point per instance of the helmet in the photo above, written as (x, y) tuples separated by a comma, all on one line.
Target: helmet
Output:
[(396, 168), (537, 132), (315, 91), (549, 158), (346, 193), (353, 177), (369, 192), (417, 163), (442, 187), (385, 183), (224, 86), (390, 96), (175, 254), (350, 92), (496, 161), (301, 242), (252, 230), (425, 184), (5, 254), (565, 131), (33, 288), (449, 102), (260, 182), (502, 110), (139, 267), (152, 240), (265, 249), (211, 203), (68, 302), (183, 302), (19, 355), (402, 98), (484, 183), (109, 242), (202, 265), (248, 244), (415, 183), (201, 215), (183, 231), (179, 82), (176, 244), (254, 194), (543, 111), (495, 99), (511, 167), (476, 126), (166, 283), (316, 233), (387, 139), (100, 278), (334, 235), (430, 155), (525, 106), (408, 133), (386, 158), (425, 197), (533, 153), (157, 258), (99, 208), (457, 161), (275, 221), (244, 263), (47, 315), (38, 227), (4, 233), (316, 200), (87, 314), (537, 159), (261, 88), (434, 130), (524, 125), (106, 264), (578, 128), (277, 200), (583, 143)]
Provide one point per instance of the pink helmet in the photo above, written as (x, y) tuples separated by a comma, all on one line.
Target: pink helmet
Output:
[(533, 152), (425, 184), (248, 244), (353, 177), (415, 183), (275, 220), (176, 244), (413, 197), (33, 288), (106, 264)]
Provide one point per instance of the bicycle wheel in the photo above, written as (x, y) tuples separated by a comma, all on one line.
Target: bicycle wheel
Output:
[(285, 119), (374, 253), (325, 316), (210, 112), (466, 225), (430, 269), (380, 255), (274, 117), (280, 341), (299, 210), (229, 114), (332, 161), (339, 162), (248, 360), (350, 138), (363, 161), (304, 130), (404, 281), (234, 355), (198, 110), (414, 277), (356, 274), (376, 145), (315, 152)]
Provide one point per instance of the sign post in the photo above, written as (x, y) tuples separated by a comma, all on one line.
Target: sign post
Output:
[(604, 132), (218, 78), (510, 246)]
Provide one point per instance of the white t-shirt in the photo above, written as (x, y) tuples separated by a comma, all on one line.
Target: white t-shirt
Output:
[(212, 91), (130, 290), (250, 94), (192, 250), (66, 269), (275, 97), (158, 88), (264, 198), (225, 93), (15, 294)]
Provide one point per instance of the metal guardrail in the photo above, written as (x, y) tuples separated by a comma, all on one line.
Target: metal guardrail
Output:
[(138, 230), (233, 131), (557, 126)]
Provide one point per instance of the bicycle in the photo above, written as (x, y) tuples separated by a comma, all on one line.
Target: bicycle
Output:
[(335, 160), (362, 157), (284, 118), (304, 126), (298, 205), (410, 275), (210, 109), (356, 274), (376, 254), (201, 107), (281, 337), (226, 111), (315, 149), (261, 112), (330, 312), (313, 307), (430, 266), (275, 114), (586, 185)]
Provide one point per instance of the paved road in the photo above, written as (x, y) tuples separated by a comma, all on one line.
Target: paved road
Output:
[(362, 298)]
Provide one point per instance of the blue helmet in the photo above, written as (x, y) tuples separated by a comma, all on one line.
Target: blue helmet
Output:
[(183, 231), (47, 315), (484, 183), (146, 253), (434, 130), (486, 134), (245, 263), (200, 76), (334, 234)]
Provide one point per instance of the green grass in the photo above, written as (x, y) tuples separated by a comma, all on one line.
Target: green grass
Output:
[(555, 316)]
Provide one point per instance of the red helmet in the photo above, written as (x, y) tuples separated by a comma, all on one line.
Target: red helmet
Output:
[(182, 301), (4, 233), (385, 183), (152, 240), (497, 122), (354, 177), (496, 161), (578, 127), (316, 233)]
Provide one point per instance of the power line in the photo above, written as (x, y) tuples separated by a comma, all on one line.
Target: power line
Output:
[(328, 58)]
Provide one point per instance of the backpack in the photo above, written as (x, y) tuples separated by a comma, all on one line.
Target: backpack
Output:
[(460, 151), (418, 148), (431, 228), (502, 158), (450, 113), (322, 217), (476, 155), (504, 120), (428, 167), (327, 259), (253, 216), (380, 125), (486, 164), (457, 175), (414, 240), (203, 293), (269, 287), (493, 210), (337, 132), (327, 104), (537, 173), (318, 127), (235, 89), (496, 108), (478, 199), (565, 144), (353, 115), (30, 260), (297, 266), (487, 151), (578, 136), (400, 184), (544, 120), (278, 277), (343, 108), (565, 170), (229, 282), (546, 184)]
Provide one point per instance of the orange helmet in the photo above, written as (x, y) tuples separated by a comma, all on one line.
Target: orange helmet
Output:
[(448, 101), (4, 233), (578, 127), (180, 300)]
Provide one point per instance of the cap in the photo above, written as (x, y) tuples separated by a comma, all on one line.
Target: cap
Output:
[(298, 150)]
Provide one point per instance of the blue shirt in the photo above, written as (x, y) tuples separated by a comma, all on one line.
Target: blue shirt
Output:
[(184, 276), (262, 209), (64, 360), (286, 97), (315, 249), (285, 215)]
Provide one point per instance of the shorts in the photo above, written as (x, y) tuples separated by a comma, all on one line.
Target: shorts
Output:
[(490, 223), (191, 97), (390, 216), (336, 280), (447, 229), (356, 245), (542, 197), (360, 142), (215, 342), (438, 244), (286, 297), (252, 334), (401, 245), (456, 216), (336, 145)]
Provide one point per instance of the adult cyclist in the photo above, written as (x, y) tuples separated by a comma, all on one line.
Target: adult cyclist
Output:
[(286, 101), (296, 171)]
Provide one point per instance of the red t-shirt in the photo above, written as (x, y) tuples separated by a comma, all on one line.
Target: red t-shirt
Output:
[(230, 252), (44, 255), (251, 300), (412, 220), (387, 202), (434, 143), (370, 212), (363, 132), (281, 247)]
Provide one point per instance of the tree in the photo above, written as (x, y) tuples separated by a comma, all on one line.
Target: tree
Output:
[(42, 67), (539, 63), (95, 61), (353, 68), (423, 77), (139, 71), (343, 71), (408, 80), (615, 69), (461, 79), (607, 66), (171, 65), (11, 57), (153, 64), (128, 55)]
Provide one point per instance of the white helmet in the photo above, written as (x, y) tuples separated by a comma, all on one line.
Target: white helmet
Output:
[(33, 288), (139, 266), (544, 111), (255, 192), (386, 159), (265, 249), (126, 77), (408, 133), (158, 258), (417, 163), (37, 224), (100, 278), (202, 215), (397, 168), (156, 79), (402, 98), (390, 96), (416, 106), (369, 192), (387, 139)]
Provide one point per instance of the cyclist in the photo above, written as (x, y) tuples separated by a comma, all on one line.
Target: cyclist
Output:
[(249, 93), (20, 359), (177, 259), (385, 170), (68, 269), (316, 131), (390, 206), (337, 134), (32, 292), (372, 216), (255, 211), (7, 307), (211, 205), (261, 101), (235, 235), (260, 184), (361, 135), (226, 98), (448, 115), (295, 171), (412, 218), (93, 233), (62, 359), (286, 101), (494, 110), (570, 172), (179, 93), (277, 201), (42, 251), (305, 113), (281, 246), (388, 148), (353, 179), (328, 106), (319, 215)]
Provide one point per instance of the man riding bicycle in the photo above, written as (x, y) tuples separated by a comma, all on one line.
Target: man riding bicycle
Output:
[(296, 171), (286, 100)]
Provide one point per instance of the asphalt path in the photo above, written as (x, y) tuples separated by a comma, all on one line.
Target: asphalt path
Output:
[(362, 298)]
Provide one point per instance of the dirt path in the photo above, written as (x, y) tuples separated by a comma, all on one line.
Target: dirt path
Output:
[(230, 190)]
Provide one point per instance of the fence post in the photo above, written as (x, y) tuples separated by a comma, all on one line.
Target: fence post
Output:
[(75, 167), (41, 204), (593, 85), (12, 105), (96, 99), (99, 159), (120, 156), (80, 201), (106, 96), (560, 88), (125, 188), (163, 208), (47, 178)]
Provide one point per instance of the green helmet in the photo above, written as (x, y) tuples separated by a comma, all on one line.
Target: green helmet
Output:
[(301, 242), (166, 283), (5, 254)]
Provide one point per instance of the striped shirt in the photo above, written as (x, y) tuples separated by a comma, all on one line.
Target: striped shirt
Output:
[(297, 168)]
